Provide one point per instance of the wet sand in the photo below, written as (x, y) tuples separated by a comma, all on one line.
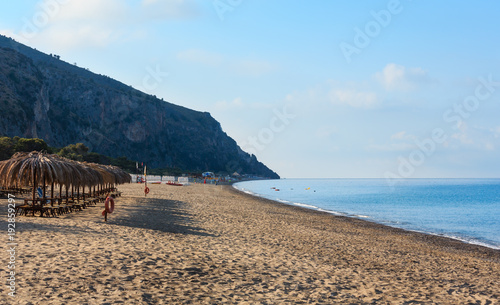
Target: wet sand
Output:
[(205, 244)]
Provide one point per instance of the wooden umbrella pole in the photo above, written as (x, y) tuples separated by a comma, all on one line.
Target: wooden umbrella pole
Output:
[(34, 191), (52, 194), (34, 185), (44, 190)]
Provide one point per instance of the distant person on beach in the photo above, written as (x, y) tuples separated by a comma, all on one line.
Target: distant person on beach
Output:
[(109, 206)]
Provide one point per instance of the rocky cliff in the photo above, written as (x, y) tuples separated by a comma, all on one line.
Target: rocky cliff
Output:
[(45, 97)]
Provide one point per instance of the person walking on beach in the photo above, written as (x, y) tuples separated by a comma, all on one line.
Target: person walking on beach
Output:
[(109, 206)]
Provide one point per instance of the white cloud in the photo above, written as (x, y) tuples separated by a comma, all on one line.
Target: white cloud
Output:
[(398, 136), (75, 11), (94, 23), (496, 132), (400, 141), (242, 67), (474, 137), (489, 146), (353, 98), (309, 97), (14, 35), (396, 77), (6, 32), (236, 103), (402, 135), (463, 138), (79, 36), (462, 135), (74, 24), (331, 92)]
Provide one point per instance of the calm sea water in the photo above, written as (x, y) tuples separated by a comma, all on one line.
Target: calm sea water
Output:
[(465, 209)]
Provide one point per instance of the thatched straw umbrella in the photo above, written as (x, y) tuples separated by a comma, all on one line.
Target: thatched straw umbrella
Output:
[(121, 176), (112, 174), (38, 168), (87, 176), (107, 176), (32, 169)]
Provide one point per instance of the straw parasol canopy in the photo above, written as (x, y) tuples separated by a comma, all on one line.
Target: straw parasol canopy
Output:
[(41, 169), (111, 174), (34, 168), (29, 168), (121, 176), (107, 176), (87, 176)]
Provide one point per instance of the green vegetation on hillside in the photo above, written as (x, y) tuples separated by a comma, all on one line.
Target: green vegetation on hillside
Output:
[(77, 152), (9, 146)]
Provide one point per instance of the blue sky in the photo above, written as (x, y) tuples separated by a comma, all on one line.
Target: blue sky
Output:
[(395, 89)]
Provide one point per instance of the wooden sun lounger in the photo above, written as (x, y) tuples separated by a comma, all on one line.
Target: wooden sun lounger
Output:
[(58, 205), (21, 209)]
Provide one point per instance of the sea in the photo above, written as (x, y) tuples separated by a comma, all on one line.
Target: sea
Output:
[(463, 209)]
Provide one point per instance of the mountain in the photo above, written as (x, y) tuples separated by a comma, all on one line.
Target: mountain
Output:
[(44, 97)]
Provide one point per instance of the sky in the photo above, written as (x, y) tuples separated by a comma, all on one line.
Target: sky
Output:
[(315, 89)]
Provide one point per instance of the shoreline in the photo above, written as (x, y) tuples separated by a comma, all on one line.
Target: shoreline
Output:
[(431, 238), (339, 214), (207, 244)]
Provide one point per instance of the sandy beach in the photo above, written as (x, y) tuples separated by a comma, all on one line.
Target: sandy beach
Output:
[(206, 244)]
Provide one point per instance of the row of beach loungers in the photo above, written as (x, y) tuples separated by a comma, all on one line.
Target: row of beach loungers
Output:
[(60, 205), (14, 191)]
